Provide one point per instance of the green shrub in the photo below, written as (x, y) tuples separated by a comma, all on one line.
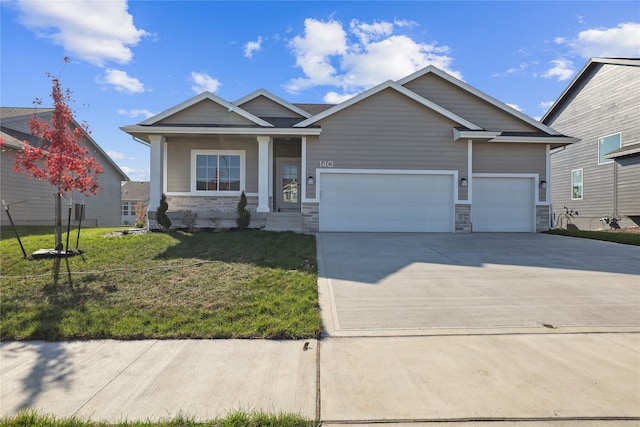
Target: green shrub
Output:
[(164, 222), (244, 216)]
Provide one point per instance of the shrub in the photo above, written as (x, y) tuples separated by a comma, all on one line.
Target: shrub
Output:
[(244, 216), (141, 214), (189, 220), (164, 222)]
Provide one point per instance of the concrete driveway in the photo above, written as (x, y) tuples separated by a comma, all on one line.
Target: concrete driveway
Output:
[(399, 284)]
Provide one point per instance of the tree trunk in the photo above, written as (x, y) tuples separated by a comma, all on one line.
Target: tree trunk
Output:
[(58, 230)]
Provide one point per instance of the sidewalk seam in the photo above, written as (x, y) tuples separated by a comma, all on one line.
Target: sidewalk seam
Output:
[(318, 396), (114, 378)]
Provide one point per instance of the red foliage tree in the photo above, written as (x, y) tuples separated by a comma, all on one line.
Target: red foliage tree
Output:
[(62, 160)]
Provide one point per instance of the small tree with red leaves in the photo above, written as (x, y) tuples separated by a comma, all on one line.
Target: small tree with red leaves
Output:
[(62, 160)]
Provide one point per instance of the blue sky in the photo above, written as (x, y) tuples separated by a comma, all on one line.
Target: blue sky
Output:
[(132, 59)]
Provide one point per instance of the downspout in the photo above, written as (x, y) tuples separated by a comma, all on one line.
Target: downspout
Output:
[(615, 188)]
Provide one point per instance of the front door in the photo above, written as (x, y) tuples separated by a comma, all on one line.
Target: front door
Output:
[(288, 185)]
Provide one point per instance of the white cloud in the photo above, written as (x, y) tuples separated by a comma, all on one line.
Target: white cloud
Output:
[(514, 106), (368, 55), (123, 82), (337, 98), (135, 113), (523, 66), (562, 69), (95, 31), (116, 155), (204, 82), (136, 174), (620, 41), (546, 104), (252, 47)]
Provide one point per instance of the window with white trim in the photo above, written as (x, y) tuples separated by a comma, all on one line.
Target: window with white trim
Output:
[(606, 145), (576, 184), (125, 209), (217, 172)]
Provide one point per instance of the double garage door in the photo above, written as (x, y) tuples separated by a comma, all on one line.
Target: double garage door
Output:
[(386, 202), (374, 202)]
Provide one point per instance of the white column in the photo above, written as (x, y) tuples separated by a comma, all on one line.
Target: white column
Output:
[(263, 174), (157, 171)]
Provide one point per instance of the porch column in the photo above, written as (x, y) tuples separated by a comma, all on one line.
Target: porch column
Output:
[(263, 174), (157, 171)]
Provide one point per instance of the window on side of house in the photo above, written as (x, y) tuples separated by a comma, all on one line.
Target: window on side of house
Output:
[(606, 145), (576, 184), (125, 209), (217, 172)]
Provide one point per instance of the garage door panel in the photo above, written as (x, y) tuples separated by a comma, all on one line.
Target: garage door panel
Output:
[(386, 202), (503, 204)]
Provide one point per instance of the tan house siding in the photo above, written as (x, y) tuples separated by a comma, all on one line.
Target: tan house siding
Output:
[(261, 106), (605, 103), (179, 158), (366, 136), (464, 104), (205, 112)]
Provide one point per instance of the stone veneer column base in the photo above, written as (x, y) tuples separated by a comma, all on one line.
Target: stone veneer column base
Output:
[(463, 219), (310, 217), (542, 218)]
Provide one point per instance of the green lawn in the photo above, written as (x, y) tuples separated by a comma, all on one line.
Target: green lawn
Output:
[(609, 236), (235, 419), (252, 284)]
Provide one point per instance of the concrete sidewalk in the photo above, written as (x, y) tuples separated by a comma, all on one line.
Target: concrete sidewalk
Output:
[(555, 378)]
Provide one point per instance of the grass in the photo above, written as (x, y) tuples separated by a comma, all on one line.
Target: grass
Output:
[(253, 284), (235, 419), (615, 237)]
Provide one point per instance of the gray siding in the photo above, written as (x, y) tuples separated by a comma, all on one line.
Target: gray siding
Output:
[(465, 104), (206, 112), (510, 158), (264, 107), (179, 158), (101, 210), (387, 131), (628, 196), (606, 102)]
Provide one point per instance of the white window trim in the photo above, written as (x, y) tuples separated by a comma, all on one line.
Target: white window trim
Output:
[(195, 153), (607, 161), (582, 184)]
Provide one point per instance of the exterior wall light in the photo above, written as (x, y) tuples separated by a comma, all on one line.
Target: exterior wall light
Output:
[(310, 180), (463, 182), (543, 185)]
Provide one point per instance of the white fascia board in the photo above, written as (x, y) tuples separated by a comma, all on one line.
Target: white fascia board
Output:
[(491, 100), (274, 98), (171, 130), (389, 84), (201, 97), (535, 139), (473, 134)]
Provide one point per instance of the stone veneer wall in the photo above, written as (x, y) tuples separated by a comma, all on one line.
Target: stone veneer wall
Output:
[(463, 219), (542, 218), (212, 211), (310, 217)]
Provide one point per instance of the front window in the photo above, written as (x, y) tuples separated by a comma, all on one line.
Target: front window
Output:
[(576, 184), (606, 145), (217, 171), (125, 209)]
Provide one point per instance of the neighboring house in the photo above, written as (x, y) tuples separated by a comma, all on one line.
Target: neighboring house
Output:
[(133, 193), (32, 202), (428, 153), (599, 177)]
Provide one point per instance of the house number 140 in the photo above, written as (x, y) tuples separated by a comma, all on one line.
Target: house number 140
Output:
[(326, 163)]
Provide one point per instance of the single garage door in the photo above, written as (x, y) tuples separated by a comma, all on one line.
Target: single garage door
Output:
[(503, 204), (386, 202)]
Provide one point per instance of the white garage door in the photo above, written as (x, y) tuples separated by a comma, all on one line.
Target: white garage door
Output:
[(503, 204), (386, 202)]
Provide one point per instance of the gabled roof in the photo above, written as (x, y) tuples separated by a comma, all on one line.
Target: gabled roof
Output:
[(136, 190), (398, 88), (582, 75), (487, 98), (274, 98), (15, 114), (232, 108)]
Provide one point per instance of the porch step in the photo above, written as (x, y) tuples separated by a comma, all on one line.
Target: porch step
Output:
[(284, 221)]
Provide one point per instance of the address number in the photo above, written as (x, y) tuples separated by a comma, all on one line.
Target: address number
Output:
[(326, 163)]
